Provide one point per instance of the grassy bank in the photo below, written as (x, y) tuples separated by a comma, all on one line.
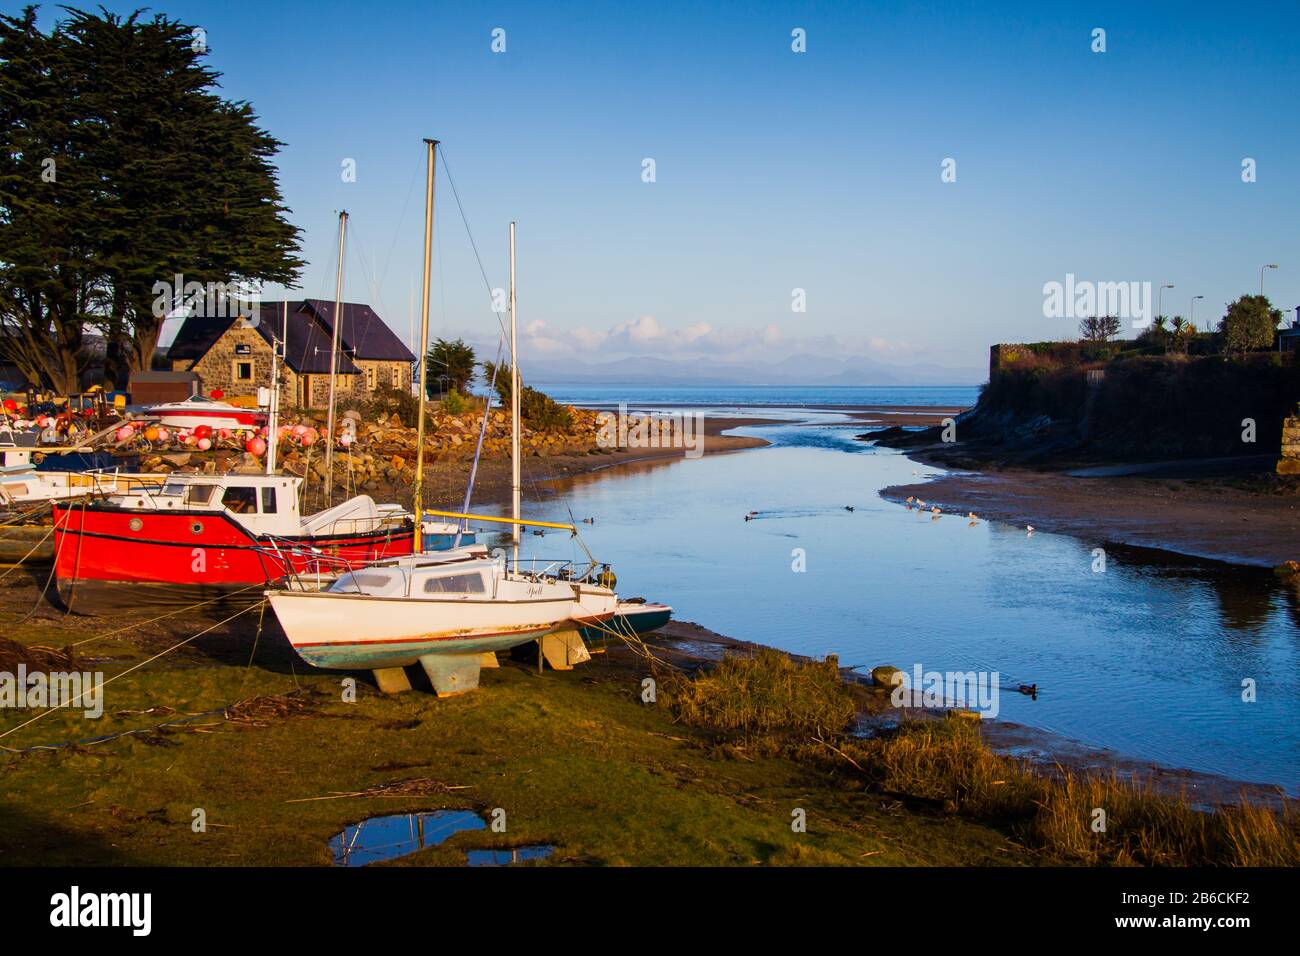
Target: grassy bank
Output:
[(768, 704), (715, 771), (575, 759)]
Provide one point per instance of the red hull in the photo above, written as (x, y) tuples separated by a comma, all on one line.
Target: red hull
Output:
[(196, 554)]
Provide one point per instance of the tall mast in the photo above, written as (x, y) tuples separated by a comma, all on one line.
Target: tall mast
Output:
[(417, 507), (334, 361), (273, 422), (514, 407)]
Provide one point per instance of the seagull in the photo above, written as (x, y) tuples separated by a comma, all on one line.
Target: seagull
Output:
[(588, 520), (848, 507), (1029, 531)]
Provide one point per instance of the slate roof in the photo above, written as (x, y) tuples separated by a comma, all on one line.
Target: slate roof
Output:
[(363, 330), (362, 335)]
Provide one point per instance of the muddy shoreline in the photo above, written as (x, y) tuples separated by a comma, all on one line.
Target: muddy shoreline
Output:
[(1181, 510)]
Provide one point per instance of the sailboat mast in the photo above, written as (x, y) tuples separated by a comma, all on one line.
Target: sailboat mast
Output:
[(273, 421), (334, 361), (514, 406), (417, 506)]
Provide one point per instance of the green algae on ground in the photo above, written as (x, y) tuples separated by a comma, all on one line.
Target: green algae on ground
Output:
[(574, 760)]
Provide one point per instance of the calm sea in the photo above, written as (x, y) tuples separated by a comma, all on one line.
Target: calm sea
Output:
[(730, 397), (1146, 658)]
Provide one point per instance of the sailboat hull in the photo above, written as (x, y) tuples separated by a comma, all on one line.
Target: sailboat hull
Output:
[(326, 628)]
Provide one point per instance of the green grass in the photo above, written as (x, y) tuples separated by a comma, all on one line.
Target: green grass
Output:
[(575, 759), (711, 774)]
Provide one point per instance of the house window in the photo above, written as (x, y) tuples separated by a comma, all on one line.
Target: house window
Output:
[(370, 377), (397, 376), (243, 371)]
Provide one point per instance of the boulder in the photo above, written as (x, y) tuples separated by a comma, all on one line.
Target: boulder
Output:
[(886, 675)]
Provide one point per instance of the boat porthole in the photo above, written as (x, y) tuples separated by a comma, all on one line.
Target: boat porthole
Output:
[(197, 527), (136, 524)]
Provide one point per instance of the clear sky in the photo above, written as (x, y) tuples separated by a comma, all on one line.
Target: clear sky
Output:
[(778, 170)]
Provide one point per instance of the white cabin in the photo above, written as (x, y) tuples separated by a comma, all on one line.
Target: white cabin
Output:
[(268, 504)]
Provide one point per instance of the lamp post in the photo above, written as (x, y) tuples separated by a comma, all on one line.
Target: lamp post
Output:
[(1160, 298), (1191, 311), (1271, 265)]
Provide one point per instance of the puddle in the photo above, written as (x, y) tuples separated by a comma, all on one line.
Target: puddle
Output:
[(506, 857), (387, 838)]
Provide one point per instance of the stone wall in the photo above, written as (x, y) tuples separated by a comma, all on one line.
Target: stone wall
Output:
[(240, 344), (1289, 463)]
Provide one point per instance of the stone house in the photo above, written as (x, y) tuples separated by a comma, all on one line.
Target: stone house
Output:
[(234, 354)]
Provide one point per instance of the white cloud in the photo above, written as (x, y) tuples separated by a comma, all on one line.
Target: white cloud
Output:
[(647, 336)]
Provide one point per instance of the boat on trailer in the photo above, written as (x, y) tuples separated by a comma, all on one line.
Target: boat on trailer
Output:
[(208, 537)]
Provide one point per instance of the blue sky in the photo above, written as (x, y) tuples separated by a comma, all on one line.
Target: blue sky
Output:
[(778, 170)]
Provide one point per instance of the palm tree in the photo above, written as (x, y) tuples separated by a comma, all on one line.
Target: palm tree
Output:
[(1182, 331)]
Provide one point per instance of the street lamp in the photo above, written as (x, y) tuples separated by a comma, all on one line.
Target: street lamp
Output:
[(1271, 265), (1160, 298), (1191, 312)]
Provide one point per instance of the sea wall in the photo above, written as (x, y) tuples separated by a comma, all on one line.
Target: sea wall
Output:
[(1143, 407)]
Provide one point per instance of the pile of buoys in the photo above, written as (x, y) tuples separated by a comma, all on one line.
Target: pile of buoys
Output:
[(205, 437)]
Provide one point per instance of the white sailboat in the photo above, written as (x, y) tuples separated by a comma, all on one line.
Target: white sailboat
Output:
[(449, 611)]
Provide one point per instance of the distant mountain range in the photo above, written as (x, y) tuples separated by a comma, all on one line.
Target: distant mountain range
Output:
[(794, 370)]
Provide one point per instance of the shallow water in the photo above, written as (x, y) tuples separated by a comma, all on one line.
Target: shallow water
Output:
[(1147, 658), (388, 837)]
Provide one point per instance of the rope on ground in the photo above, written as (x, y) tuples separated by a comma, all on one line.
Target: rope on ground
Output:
[(180, 610), (134, 667)]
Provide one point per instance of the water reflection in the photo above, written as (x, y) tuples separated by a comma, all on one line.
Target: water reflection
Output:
[(1146, 659), (388, 837)]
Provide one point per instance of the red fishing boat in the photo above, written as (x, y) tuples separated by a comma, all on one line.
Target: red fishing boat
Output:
[(201, 537)]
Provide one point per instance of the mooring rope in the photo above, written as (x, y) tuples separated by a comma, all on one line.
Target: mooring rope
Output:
[(133, 668)]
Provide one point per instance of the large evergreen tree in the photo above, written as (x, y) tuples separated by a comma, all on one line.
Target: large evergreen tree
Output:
[(1250, 323), (154, 175), (452, 360)]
